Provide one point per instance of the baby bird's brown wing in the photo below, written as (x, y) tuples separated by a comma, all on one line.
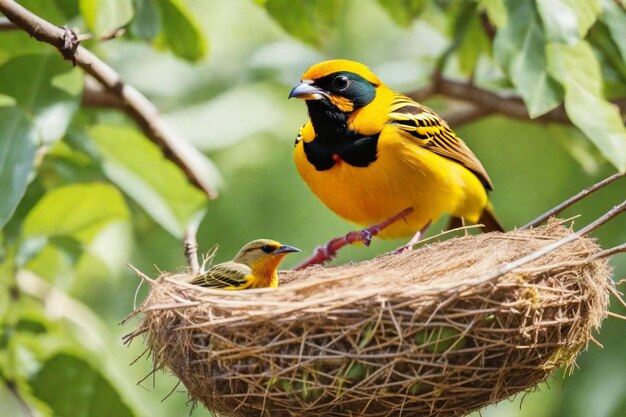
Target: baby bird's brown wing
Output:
[(225, 276)]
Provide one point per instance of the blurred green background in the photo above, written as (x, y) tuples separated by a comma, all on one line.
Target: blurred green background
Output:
[(84, 192)]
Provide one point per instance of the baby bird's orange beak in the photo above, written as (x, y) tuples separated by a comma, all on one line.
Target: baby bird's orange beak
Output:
[(285, 249), (306, 91)]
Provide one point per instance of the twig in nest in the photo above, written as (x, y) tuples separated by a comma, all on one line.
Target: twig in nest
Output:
[(615, 211), (610, 252), (329, 250), (574, 199), (447, 232)]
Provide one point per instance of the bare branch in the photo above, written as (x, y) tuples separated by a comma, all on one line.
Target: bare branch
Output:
[(493, 102), (505, 269), (572, 200), (94, 95), (610, 252), (135, 104), (6, 25), (190, 245), (465, 113)]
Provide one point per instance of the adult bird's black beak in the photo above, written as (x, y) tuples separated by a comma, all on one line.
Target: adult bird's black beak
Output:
[(306, 91), (285, 249)]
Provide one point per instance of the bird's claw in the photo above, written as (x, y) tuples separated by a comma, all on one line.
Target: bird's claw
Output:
[(365, 236)]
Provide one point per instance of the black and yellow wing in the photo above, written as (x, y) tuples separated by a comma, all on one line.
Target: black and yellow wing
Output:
[(434, 134), (226, 276)]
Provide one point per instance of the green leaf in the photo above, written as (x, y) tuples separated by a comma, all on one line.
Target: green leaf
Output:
[(615, 19), (567, 20), (65, 377), (70, 8), (18, 147), (403, 12), (46, 88), (139, 168), (181, 31), (147, 22), (496, 11), (576, 68), (49, 10), (105, 16), (471, 38), (79, 211), (519, 47), (310, 21), (610, 59)]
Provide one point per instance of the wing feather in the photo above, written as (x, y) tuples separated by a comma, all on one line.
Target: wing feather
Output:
[(226, 276), (434, 134)]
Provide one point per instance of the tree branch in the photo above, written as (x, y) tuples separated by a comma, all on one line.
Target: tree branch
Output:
[(572, 200), (6, 25), (614, 212), (134, 103), (94, 95), (493, 102), (190, 246)]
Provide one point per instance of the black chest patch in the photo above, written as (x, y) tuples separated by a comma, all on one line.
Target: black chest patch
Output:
[(358, 151), (334, 141)]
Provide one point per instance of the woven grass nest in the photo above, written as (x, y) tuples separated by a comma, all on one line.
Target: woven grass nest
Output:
[(422, 333)]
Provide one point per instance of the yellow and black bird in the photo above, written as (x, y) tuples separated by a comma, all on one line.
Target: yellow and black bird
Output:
[(369, 152), (254, 266)]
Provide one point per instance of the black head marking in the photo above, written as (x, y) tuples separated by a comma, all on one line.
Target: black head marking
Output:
[(349, 85)]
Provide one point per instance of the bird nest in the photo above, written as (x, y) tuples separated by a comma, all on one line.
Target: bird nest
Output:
[(432, 332)]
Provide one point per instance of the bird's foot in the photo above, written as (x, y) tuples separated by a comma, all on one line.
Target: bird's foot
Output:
[(414, 240), (328, 251)]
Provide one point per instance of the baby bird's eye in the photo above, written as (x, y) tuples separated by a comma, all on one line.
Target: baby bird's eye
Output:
[(340, 83), (267, 249)]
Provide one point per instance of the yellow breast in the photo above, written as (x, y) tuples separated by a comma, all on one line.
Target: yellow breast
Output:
[(403, 175)]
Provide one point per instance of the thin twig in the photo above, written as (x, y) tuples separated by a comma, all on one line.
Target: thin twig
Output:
[(617, 316), (136, 104), (571, 201), (115, 33), (615, 211), (448, 231), (610, 252), (191, 248)]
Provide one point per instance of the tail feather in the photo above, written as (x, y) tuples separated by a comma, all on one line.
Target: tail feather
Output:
[(487, 219)]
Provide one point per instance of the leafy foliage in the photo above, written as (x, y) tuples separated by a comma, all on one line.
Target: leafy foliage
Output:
[(84, 191), (104, 16), (53, 96), (18, 146), (312, 22), (68, 376)]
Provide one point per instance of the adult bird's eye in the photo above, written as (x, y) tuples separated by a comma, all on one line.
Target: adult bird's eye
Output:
[(267, 249), (340, 83)]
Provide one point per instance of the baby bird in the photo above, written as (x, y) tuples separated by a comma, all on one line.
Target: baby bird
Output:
[(254, 266)]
